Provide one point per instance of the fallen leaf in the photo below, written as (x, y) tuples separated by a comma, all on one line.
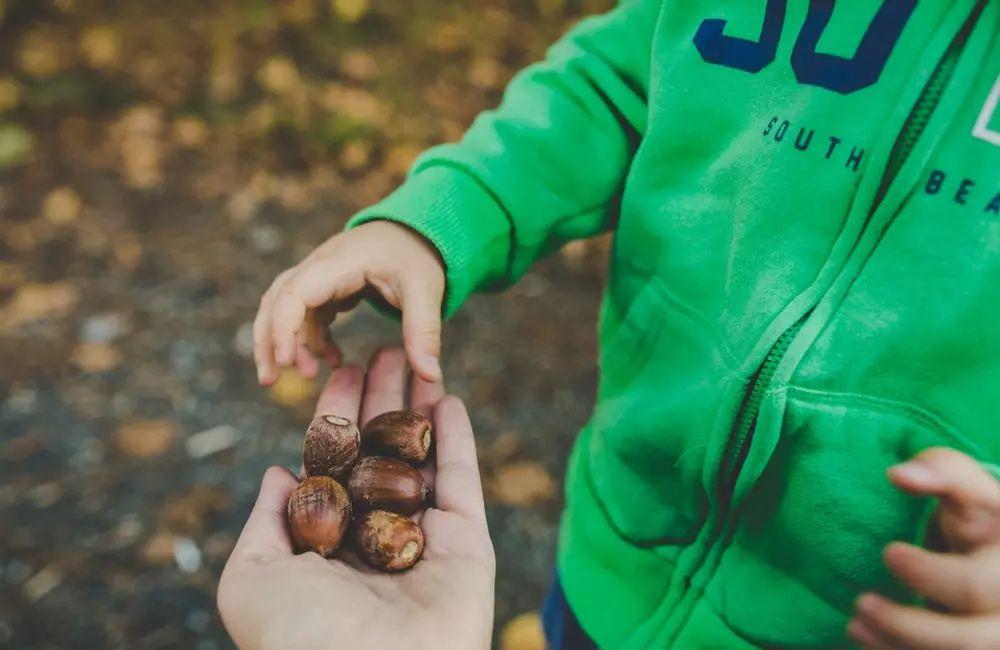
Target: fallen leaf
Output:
[(40, 584), (298, 12), (550, 8), (127, 251), (501, 449), (350, 11), (522, 484), (22, 447), (485, 73), (292, 389), (137, 134), (101, 47), (279, 76), (38, 55), (10, 93), (186, 513), (16, 145), (359, 65), (356, 155), (190, 132), (158, 549), (401, 157), (38, 302), (11, 275), (355, 103), (62, 206), (95, 358), (145, 438), (523, 632)]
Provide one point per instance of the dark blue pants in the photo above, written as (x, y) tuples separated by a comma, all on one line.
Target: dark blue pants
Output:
[(562, 630)]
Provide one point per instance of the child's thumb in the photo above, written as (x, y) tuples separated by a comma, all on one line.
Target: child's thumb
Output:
[(421, 305)]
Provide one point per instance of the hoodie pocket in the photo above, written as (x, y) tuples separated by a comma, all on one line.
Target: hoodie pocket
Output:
[(813, 527), (657, 400)]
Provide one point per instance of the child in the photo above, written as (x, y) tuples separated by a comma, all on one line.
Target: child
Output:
[(804, 292)]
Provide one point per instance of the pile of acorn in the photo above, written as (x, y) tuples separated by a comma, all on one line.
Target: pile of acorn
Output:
[(384, 488)]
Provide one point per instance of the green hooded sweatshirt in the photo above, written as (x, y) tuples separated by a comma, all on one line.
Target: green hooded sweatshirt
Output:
[(804, 290)]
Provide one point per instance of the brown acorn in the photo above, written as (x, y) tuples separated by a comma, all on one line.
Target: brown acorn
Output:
[(389, 541), (319, 511), (379, 483), (331, 446), (405, 435)]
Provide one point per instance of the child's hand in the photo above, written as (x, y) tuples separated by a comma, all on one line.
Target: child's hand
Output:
[(962, 581), (291, 323)]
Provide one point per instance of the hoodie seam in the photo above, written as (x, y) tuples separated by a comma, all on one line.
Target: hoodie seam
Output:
[(864, 401)]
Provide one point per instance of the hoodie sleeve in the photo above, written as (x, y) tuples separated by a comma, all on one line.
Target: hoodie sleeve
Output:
[(545, 167)]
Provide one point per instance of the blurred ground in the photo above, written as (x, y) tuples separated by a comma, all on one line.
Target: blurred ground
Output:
[(159, 164)]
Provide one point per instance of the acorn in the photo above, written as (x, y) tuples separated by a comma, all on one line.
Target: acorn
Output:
[(331, 446), (379, 483), (389, 541), (319, 512), (405, 435)]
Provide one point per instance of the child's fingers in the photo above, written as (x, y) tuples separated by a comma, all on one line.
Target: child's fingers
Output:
[(458, 487), (961, 583), (948, 474), (969, 515), (263, 344), (306, 363), (312, 285), (866, 637), (914, 628), (421, 305)]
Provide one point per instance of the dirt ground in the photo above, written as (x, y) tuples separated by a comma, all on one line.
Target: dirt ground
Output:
[(160, 163)]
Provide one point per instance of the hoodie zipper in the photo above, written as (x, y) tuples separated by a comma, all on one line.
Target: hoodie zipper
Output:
[(745, 423)]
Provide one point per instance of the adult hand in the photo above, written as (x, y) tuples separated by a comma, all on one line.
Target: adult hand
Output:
[(269, 597)]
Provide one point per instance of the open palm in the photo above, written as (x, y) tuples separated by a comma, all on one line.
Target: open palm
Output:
[(271, 598)]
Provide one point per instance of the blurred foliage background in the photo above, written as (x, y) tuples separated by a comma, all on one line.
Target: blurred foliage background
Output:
[(160, 163)]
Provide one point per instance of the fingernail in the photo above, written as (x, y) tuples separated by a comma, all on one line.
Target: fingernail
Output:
[(867, 603), (433, 365), (895, 551), (915, 472)]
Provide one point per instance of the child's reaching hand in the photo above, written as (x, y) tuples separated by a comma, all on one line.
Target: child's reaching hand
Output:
[(960, 576), (291, 324)]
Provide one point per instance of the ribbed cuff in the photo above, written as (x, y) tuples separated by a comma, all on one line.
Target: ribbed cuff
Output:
[(460, 217)]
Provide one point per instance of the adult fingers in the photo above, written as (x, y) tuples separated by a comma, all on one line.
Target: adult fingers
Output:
[(265, 530), (342, 393), (458, 487), (421, 304), (331, 278), (385, 385), (961, 583), (424, 395)]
